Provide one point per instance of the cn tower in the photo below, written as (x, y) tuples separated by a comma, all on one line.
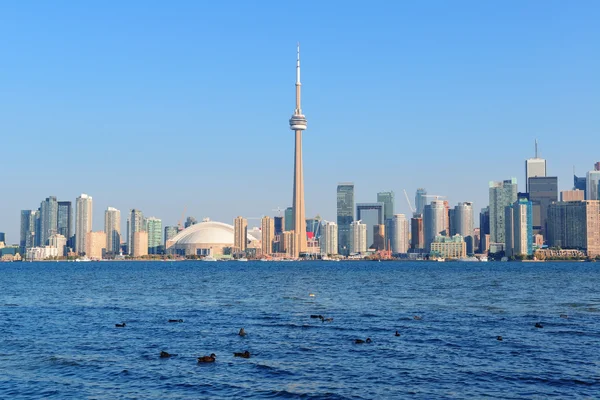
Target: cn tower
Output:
[(298, 124)]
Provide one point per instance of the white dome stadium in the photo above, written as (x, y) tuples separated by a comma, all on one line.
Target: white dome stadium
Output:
[(204, 238)]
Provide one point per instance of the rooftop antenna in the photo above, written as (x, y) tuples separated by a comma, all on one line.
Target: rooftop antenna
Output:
[(536, 149)]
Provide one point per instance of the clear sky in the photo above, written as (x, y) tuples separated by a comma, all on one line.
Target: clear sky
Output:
[(162, 106)]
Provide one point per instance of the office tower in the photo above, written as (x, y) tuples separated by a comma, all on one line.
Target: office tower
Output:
[(420, 200), (190, 221), (112, 228), (434, 222), (279, 225), (572, 195), (135, 223), (484, 229), (358, 237), (313, 227), (592, 190), (448, 247), (267, 227), (329, 238), (27, 233), (579, 183), (58, 241), (534, 167), (476, 239), (387, 198), (65, 219), (38, 229), (597, 166), (463, 224), (575, 225), (154, 230), (398, 233), (140, 244), (519, 227), (95, 245), (417, 238), (370, 214), (542, 192), (502, 194), (170, 233), (240, 234), (83, 222), (289, 219), (48, 219), (345, 215), (298, 124)]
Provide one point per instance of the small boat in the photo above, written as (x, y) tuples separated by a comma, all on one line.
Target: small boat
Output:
[(83, 259), (209, 258), (468, 259), (242, 259), (483, 259)]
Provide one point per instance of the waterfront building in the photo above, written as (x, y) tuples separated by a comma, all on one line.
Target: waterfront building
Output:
[(140, 244), (575, 225), (398, 233), (387, 198), (592, 190), (329, 238), (65, 219), (112, 228), (434, 221), (534, 167), (420, 200), (448, 247), (279, 225), (370, 214), (572, 195), (48, 219), (358, 237), (484, 230), (240, 225), (83, 222), (170, 233), (519, 227), (289, 219), (417, 239), (135, 223), (203, 239), (96, 245), (154, 230), (41, 253), (267, 227), (463, 225), (345, 215), (542, 192), (58, 241), (502, 194), (27, 232)]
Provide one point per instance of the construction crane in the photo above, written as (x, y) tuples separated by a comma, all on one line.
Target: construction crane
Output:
[(414, 210), (180, 223)]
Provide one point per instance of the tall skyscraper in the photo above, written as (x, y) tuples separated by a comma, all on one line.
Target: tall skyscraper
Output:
[(289, 219), (267, 227), (112, 228), (399, 233), (420, 200), (463, 224), (518, 227), (502, 194), (387, 198), (154, 229), (135, 223), (298, 124), (65, 219), (27, 234), (484, 229), (345, 215), (240, 234), (434, 222), (542, 192), (83, 222), (358, 237), (417, 238), (279, 223), (579, 183), (370, 214), (575, 225), (48, 219), (534, 167), (592, 190), (329, 238)]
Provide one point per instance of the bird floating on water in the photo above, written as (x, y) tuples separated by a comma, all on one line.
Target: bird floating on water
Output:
[(164, 354), (499, 338), (564, 316), (207, 359), (360, 341), (417, 318), (242, 332), (120, 325), (538, 325), (245, 354), (397, 333), (175, 320)]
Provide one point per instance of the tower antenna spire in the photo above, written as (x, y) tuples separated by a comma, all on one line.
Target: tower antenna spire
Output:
[(298, 66), (536, 149)]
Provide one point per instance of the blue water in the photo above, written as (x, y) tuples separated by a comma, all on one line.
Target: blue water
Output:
[(58, 337)]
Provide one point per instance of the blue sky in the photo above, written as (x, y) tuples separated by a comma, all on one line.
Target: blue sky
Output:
[(164, 106)]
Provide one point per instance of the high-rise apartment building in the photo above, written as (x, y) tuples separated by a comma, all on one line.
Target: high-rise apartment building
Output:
[(575, 225), (370, 214), (112, 228), (155, 240), (420, 200), (484, 230), (135, 223), (542, 192), (48, 219), (289, 219), (417, 238), (388, 199), (519, 227), (83, 222), (345, 215), (463, 225), (358, 237), (65, 219), (329, 238), (170, 233), (267, 228), (240, 234), (140, 244), (60, 242), (95, 245), (397, 227), (534, 167), (502, 194), (592, 191), (27, 233), (434, 222)]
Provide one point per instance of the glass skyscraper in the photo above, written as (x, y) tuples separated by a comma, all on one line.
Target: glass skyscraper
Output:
[(65, 219), (502, 194), (420, 200), (387, 198), (154, 229), (48, 219), (345, 215)]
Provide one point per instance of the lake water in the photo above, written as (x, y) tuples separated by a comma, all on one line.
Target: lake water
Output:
[(58, 337)]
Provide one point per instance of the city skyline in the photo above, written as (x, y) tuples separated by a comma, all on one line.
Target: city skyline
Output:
[(128, 101)]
